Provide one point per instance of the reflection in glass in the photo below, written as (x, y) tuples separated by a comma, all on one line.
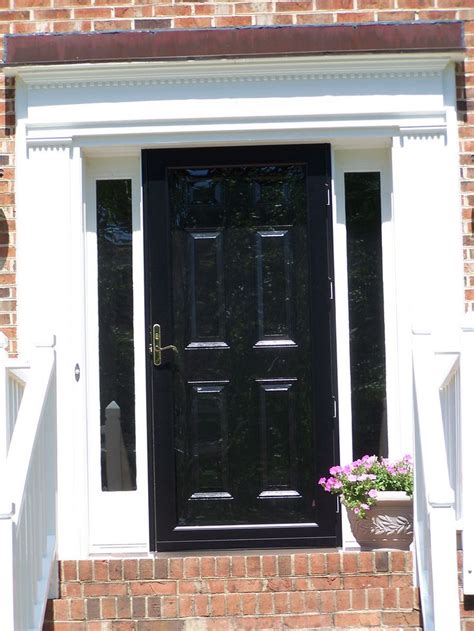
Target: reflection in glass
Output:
[(116, 360), (366, 313), (209, 439), (274, 284), (277, 438)]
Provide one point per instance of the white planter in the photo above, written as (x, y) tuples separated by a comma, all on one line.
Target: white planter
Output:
[(388, 524)]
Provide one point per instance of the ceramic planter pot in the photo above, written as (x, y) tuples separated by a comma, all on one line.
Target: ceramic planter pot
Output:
[(388, 524)]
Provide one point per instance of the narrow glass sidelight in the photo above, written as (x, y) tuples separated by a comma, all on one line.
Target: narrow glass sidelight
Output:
[(116, 345), (366, 313)]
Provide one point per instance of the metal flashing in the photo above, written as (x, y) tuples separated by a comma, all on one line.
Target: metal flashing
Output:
[(246, 42)]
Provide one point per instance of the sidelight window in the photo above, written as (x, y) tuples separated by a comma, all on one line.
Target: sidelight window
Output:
[(366, 313), (116, 347)]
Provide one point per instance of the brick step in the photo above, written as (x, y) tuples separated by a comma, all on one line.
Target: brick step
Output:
[(314, 590), (267, 623)]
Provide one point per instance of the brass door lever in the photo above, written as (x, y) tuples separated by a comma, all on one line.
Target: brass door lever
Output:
[(155, 346)]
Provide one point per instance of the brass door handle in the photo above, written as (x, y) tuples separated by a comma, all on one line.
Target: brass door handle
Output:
[(156, 348)]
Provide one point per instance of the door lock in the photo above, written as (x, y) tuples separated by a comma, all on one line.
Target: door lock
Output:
[(156, 348)]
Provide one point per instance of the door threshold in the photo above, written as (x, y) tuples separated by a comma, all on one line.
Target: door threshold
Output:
[(242, 552)]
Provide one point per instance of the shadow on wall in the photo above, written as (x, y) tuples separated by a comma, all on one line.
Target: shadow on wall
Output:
[(9, 121), (461, 94), (4, 239)]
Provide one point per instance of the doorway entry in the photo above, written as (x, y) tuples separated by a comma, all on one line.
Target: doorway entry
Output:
[(241, 373)]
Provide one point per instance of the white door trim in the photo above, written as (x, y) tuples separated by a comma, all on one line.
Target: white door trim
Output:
[(118, 520), (400, 102)]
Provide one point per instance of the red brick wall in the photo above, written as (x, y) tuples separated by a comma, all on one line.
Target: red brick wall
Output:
[(241, 591), (7, 212), (59, 16)]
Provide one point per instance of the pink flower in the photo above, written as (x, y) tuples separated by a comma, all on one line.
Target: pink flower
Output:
[(373, 493), (322, 481)]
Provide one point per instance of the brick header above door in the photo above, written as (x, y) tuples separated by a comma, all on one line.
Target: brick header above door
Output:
[(176, 44)]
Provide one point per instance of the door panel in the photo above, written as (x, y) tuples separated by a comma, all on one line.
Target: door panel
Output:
[(241, 416)]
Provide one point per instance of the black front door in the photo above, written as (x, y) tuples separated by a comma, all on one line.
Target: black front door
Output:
[(241, 414)]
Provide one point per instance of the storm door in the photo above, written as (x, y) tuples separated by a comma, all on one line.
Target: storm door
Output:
[(242, 405)]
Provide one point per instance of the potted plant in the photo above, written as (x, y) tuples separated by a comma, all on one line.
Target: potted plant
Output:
[(378, 496)]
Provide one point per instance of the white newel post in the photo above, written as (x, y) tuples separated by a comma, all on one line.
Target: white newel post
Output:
[(6, 566), (6, 506), (467, 442), (435, 527), (4, 429)]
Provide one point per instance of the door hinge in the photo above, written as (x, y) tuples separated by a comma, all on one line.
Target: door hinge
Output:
[(334, 407), (331, 289), (328, 201)]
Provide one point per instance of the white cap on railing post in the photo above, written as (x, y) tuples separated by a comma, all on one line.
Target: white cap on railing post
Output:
[(46, 340), (468, 322), (4, 341), (419, 329)]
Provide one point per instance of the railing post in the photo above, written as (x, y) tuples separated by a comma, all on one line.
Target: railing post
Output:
[(4, 430), (444, 566), (435, 525), (7, 509), (467, 441), (7, 602)]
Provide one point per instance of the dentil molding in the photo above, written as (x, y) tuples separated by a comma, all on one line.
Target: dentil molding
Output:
[(138, 74)]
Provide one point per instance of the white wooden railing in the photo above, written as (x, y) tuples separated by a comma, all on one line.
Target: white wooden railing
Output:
[(450, 399), (28, 471), (12, 386), (435, 519), (466, 452)]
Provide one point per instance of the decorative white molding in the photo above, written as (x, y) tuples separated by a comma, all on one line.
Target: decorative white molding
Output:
[(270, 128), (48, 145), (206, 80), (198, 72), (423, 134), (178, 103)]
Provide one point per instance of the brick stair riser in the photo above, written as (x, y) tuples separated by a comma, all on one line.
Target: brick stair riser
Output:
[(273, 591)]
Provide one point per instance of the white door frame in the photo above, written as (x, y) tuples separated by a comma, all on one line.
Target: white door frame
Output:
[(402, 105), (130, 532)]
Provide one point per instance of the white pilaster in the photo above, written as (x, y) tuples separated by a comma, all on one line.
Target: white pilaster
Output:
[(50, 278), (428, 266)]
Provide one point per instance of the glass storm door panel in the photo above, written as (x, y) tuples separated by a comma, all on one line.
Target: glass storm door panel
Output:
[(241, 410)]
